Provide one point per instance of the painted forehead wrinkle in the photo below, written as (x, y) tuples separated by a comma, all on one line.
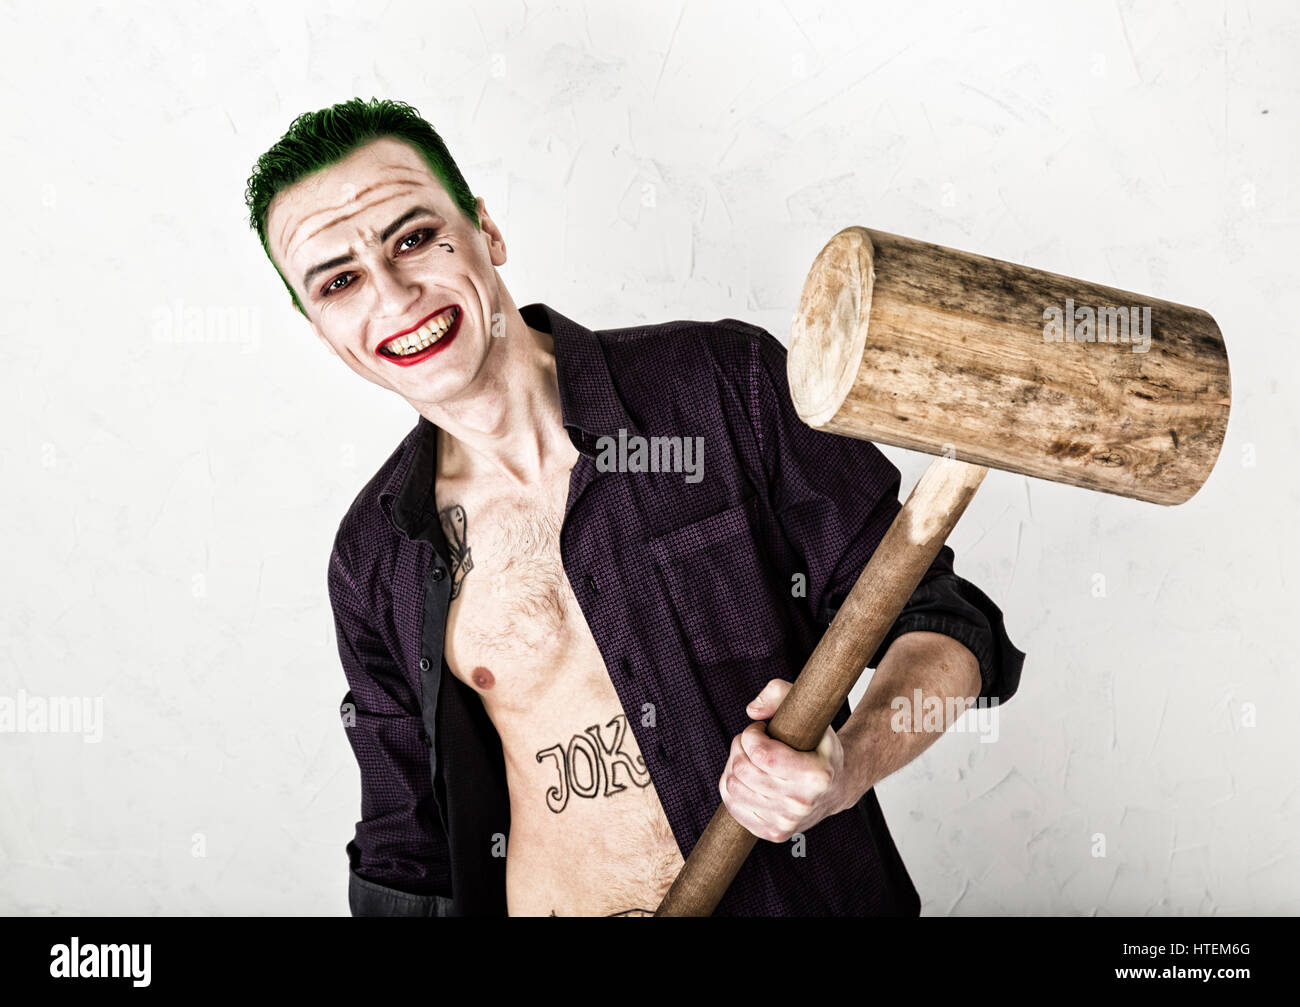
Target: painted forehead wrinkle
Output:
[(361, 209), (285, 239)]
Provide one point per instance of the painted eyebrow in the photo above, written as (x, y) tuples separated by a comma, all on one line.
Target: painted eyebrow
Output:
[(388, 232)]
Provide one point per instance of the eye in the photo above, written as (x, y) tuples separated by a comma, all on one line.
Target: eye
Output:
[(333, 286), (422, 237), (424, 233)]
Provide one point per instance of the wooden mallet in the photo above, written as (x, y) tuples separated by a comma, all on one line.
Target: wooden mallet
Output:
[(986, 364)]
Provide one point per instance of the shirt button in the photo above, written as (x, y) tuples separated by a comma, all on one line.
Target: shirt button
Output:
[(425, 664), (626, 666), (590, 581), (439, 573)]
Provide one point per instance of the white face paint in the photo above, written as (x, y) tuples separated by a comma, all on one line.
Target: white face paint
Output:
[(375, 247)]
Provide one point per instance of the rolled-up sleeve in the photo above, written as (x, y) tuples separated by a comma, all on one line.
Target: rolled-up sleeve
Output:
[(955, 607), (835, 497), (398, 862)]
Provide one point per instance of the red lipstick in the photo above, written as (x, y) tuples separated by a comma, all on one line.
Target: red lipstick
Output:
[(441, 344)]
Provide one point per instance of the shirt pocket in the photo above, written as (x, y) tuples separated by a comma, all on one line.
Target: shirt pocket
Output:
[(718, 587)]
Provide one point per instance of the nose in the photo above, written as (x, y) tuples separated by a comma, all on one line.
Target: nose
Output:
[(395, 292)]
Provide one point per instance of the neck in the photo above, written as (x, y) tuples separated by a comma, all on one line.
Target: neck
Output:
[(507, 423)]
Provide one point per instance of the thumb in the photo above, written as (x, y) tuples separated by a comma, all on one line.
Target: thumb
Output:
[(766, 702)]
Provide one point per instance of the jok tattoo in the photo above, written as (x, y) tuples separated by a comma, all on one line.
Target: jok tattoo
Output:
[(587, 767)]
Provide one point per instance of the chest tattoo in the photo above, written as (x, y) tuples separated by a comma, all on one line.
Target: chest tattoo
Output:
[(453, 527)]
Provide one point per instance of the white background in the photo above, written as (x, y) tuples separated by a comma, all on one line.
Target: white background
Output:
[(169, 505)]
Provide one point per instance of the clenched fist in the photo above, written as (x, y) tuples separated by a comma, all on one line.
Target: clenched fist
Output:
[(775, 791)]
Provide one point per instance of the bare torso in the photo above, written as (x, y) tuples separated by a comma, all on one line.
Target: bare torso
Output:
[(588, 835)]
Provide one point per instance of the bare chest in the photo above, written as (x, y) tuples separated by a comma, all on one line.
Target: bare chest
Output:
[(580, 791), (513, 624)]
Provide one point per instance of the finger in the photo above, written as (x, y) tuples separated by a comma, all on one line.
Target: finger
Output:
[(826, 747), (765, 704), (746, 798), (763, 823), (734, 756), (772, 824), (758, 782), (752, 822), (813, 773), (769, 755), (800, 779), (742, 805)]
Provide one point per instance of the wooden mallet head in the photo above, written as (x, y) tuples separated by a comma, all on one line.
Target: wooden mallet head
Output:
[(925, 347)]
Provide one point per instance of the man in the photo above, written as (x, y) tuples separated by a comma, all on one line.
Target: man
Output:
[(549, 642)]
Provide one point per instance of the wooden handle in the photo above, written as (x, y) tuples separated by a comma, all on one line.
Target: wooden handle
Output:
[(871, 608)]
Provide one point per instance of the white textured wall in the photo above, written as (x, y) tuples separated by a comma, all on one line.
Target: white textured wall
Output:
[(169, 505)]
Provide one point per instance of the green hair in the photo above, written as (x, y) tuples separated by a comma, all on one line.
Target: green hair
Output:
[(317, 140)]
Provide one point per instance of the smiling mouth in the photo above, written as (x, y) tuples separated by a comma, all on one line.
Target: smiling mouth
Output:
[(415, 343)]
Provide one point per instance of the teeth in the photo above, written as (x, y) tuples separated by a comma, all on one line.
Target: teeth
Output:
[(423, 337)]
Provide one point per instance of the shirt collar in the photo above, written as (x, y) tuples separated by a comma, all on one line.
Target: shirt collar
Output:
[(590, 408)]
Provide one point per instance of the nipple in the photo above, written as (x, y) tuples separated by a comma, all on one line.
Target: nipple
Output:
[(482, 678)]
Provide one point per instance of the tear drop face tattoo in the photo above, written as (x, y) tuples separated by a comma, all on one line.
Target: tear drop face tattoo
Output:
[(394, 277)]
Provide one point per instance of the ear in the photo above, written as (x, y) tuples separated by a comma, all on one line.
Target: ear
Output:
[(496, 243)]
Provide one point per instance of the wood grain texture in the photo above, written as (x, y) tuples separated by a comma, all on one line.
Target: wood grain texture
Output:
[(907, 343)]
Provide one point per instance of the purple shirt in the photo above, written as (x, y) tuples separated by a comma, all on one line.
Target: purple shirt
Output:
[(687, 585)]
